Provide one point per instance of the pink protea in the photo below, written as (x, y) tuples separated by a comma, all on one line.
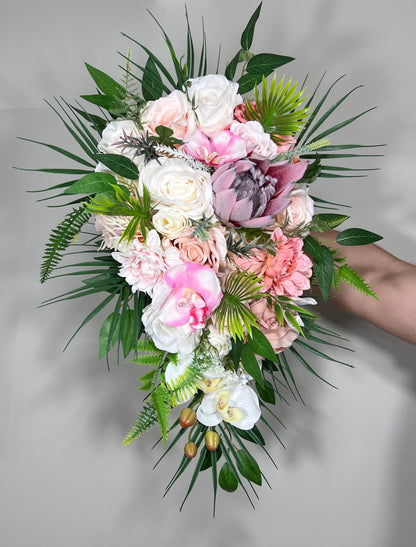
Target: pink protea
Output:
[(223, 147), (285, 274), (251, 193)]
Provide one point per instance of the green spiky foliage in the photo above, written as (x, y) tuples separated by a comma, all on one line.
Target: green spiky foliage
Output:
[(185, 386), (345, 274), (278, 109), (145, 420), (233, 313), (147, 353), (61, 237)]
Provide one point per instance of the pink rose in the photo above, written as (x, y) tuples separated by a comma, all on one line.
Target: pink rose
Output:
[(259, 144), (280, 337), (172, 111), (285, 274), (211, 252)]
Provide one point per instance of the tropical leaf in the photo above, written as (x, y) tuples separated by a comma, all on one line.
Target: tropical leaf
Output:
[(347, 275), (144, 422), (162, 401)]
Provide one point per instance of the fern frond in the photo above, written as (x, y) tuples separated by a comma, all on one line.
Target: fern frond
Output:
[(183, 387), (278, 110), (60, 239), (145, 420), (162, 402), (346, 274), (232, 313)]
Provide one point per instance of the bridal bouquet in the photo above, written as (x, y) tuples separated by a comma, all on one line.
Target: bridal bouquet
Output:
[(191, 215)]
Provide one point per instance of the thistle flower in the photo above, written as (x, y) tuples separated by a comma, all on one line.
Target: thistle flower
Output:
[(251, 193)]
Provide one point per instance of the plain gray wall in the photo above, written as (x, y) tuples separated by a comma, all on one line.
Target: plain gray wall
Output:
[(347, 477)]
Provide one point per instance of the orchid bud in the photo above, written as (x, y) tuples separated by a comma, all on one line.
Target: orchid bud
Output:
[(187, 417), (190, 450), (212, 440)]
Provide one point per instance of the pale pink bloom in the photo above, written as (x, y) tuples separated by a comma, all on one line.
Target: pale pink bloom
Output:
[(300, 211), (223, 147), (144, 264), (111, 229), (279, 336), (173, 111), (211, 252), (258, 143), (285, 274), (176, 316)]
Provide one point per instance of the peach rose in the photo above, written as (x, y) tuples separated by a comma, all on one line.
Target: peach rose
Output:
[(280, 337), (211, 252), (300, 211), (173, 111)]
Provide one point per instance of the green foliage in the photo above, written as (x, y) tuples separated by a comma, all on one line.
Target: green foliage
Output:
[(357, 236), (323, 264), (144, 422), (278, 109), (232, 313), (60, 239), (184, 386), (227, 479), (346, 274), (162, 402), (326, 221)]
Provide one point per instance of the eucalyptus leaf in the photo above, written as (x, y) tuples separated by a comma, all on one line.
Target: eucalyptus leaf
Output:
[(121, 165), (357, 236), (265, 63), (248, 32)]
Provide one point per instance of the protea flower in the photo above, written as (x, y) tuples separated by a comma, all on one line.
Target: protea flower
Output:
[(250, 193)]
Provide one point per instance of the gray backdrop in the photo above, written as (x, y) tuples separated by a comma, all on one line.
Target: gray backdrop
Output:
[(347, 477)]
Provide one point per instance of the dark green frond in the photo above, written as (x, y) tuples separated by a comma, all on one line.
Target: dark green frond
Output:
[(60, 239)]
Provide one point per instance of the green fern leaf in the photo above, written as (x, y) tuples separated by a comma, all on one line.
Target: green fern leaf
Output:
[(162, 402), (60, 239), (145, 420), (346, 274), (147, 380), (184, 386)]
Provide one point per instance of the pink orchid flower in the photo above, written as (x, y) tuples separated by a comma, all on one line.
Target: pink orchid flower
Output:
[(223, 147), (195, 294)]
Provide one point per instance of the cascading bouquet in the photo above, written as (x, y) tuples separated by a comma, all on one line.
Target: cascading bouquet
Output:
[(200, 200)]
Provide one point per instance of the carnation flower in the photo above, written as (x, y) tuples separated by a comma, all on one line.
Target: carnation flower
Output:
[(171, 111), (173, 182), (214, 99), (279, 336), (250, 193), (143, 265), (287, 273)]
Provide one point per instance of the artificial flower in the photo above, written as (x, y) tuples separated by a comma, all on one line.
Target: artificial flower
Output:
[(173, 111), (223, 147)]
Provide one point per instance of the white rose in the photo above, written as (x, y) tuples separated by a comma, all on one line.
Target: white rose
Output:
[(300, 211), (166, 337), (259, 144), (173, 182), (112, 139), (220, 341), (170, 222), (214, 98)]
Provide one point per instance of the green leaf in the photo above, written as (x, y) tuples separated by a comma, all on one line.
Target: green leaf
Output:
[(145, 420), (92, 183), (266, 392), (248, 82), (227, 478), (265, 63), (162, 402), (357, 236), (324, 271), (261, 345), (235, 353), (106, 332), (348, 275), (112, 104), (248, 32), (253, 435), (105, 83), (152, 86), (248, 467), (313, 248), (313, 171), (232, 67), (250, 364), (147, 380), (327, 221), (119, 164), (128, 339)]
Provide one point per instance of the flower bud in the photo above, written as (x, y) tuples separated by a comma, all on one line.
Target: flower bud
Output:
[(187, 417), (190, 450), (212, 440)]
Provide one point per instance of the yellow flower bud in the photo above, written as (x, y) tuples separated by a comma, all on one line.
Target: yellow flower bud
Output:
[(187, 417), (212, 440), (190, 450)]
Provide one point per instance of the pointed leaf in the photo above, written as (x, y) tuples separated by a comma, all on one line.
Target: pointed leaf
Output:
[(261, 345), (357, 236), (248, 467), (227, 478), (248, 32), (152, 86), (105, 83), (250, 363), (92, 184), (265, 63), (121, 165)]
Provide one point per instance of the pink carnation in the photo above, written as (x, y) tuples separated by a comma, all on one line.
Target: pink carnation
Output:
[(280, 337), (285, 274)]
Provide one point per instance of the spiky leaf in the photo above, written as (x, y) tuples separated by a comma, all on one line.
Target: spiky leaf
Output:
[(145, 420)]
